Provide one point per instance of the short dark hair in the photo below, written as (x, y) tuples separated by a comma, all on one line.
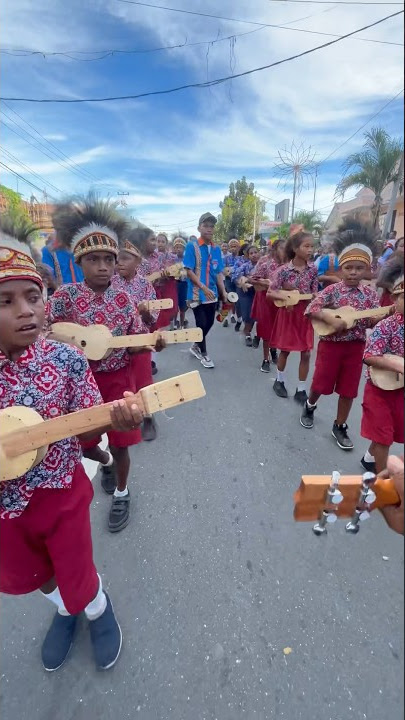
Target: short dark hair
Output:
[(138, 237), (294, 242)]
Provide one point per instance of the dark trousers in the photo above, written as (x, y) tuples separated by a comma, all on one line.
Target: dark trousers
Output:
[(204, 319)]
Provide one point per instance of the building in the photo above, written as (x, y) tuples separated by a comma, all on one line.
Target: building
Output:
[(362, 204), (39, 213)]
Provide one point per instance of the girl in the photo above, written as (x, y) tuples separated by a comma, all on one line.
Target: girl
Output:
[(340, 356), (179, 245), (162, 243), (240, 275), (264, 310), (292, 331), (231, 260), (155, 259), (383, 410)]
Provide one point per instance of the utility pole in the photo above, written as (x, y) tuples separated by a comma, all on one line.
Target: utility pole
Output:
[(294, 193), (315, 188), (254, 218), (394, 195)]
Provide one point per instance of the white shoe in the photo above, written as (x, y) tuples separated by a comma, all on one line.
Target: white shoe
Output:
[(207, 362), (195, 350)]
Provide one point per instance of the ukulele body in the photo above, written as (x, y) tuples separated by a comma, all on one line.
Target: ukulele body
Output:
[(345, 313), (386, 379), (17, 418), (94, 340)]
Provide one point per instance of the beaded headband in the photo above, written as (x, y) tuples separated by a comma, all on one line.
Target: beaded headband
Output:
[(398, 287), (356, 253), (129, 248), (16, 262), (94, 238)]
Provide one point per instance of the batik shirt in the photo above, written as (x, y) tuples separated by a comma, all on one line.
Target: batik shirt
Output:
[(387, 338), (53, 379), (232, 260), (151, 264), (265, 268), (242, 270), (140, 290), (77, 303), (169, 258), (287, 277), (339, 295)]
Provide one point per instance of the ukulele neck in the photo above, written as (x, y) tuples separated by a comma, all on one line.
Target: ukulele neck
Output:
[(375, 312)]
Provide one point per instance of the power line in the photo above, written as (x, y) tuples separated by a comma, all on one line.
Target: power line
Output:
[(339, 2), (21, 177), (208, 83), (32, 172)]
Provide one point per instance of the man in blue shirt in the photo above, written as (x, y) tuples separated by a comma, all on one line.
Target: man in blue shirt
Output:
[(61, 262), (204, 265)]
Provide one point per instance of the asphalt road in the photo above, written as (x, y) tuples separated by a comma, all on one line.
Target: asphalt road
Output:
[(213, 581)]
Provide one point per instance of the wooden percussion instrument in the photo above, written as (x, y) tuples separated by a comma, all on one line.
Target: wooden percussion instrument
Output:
[(171, 271), (291, 298), (151, 305), (25, 436), (387, 379), (325, 498), (96, 341), (349, 315)]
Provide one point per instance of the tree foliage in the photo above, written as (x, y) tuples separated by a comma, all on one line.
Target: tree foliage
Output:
[(13, 199), (374, 167), (311, 220), (238, 212)]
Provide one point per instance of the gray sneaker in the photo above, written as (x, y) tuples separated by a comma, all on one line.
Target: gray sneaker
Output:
[(207, 362), (307, 416), (195, 350), (341, 436)]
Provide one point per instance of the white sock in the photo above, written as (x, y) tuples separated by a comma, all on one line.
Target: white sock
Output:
[(302, 385), (369, 457), (96, 607), (56, 598), (240, 319), (109, 461), (280, 375), (311, 407), (121, 493)]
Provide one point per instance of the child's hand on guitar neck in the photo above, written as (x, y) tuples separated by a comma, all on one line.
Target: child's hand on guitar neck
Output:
[(394, 514), (125, 415), (161, 344)]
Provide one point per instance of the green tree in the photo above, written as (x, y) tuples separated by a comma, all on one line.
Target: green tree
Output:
[(241, 212), (13, 199), (374, 167), (311, 220)]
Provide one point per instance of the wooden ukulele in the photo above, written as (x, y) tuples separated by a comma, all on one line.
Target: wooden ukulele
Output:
[(324, 498), (387, 379), (291, 298), (151, 305), (173, 271), (97, 342), (25, 436), (349, 314)]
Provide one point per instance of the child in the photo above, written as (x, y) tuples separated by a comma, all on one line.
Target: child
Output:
[(383, 410), (156, 260), (92, 227), (292, 330), (239, 277), (340, 356), (264, 310), (179, 245), (231, 260), (44, 514), (203, 262)]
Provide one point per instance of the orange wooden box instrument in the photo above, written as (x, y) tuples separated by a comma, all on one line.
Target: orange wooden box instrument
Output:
[(25, 436), (325, 498)]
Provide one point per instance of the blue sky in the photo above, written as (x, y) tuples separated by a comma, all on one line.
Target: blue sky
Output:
[(176, 154)]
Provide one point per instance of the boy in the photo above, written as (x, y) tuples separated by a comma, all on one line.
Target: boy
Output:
[(203, 262), (44, 515)]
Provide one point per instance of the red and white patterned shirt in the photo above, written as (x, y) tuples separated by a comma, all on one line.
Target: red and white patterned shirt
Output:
[(169, 258), (77, 303), (387, 338), (265, 268), (54, 379), (140, 290), (340, 295), (288, 277), (151, 264)]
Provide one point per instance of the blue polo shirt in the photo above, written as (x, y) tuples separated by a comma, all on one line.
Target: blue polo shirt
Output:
[(211, 265), (69, 270)]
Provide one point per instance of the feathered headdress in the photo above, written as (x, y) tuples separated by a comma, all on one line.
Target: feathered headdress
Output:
[(355, 241), (89, 224), (391, 276), (16, 261)]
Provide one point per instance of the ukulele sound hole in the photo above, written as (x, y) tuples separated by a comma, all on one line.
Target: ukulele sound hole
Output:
[(83, 343)]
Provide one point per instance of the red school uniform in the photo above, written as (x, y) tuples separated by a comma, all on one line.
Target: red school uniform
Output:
[(383, 410), (292, 331), (340, 356), (79, 304), (165, 287), (44, 515), (264, 311)]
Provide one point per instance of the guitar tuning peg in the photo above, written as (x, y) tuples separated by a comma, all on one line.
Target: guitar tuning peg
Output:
[(327, 518)]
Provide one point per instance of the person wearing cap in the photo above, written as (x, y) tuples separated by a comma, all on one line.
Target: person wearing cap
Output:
[(93, 228), (179, 246), (45, 526), (339, 359), (383, 410), (204, 265)]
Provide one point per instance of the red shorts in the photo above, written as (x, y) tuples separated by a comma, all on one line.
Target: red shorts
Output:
[(52, 538), (383, 415), (338, 368), (112, 386), (141, 368)]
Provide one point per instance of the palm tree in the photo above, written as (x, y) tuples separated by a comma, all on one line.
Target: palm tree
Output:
[(374, 167), (310, 219)]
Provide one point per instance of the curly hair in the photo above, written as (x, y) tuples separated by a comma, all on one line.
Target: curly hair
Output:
[(352, 231), (80, 211), (391, 271)]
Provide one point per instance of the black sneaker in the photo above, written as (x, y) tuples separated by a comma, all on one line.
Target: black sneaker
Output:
[(339, 432), (185, 324), (369, 466), (280, 389), (256, 342), (106, 638), (154, 368), (248, 341), (108, 479), (119, 513), (307, 416), (238, 326), (265, 366), (225, 323), (58, 641), (301, 396), (149, 431), (233, 320), (274, 355)]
